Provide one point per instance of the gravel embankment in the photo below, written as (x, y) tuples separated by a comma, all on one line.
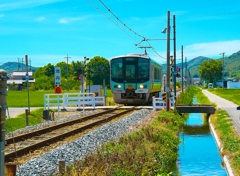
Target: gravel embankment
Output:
[(47, 163)]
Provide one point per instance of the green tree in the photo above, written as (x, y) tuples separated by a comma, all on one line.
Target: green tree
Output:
[(44, 77), (98, 68), (211, 70)]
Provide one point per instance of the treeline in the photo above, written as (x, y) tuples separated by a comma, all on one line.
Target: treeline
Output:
[(97, 69)]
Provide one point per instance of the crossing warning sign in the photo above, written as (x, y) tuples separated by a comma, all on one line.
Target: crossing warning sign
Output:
[(58, 89)]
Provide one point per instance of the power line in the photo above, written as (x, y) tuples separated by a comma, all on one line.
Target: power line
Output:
[(155, 50), (144, 38), (121, 21), (110, 19)]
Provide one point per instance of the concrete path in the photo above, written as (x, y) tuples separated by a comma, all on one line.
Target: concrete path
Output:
[(13, 112), (229, 106)]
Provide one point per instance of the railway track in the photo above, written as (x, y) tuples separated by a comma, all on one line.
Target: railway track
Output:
[(18, 146)]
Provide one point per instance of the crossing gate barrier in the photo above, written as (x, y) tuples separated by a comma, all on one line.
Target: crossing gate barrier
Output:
[(160, 103), (66, 99)]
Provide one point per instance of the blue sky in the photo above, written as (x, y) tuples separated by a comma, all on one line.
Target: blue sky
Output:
[(48, 30)]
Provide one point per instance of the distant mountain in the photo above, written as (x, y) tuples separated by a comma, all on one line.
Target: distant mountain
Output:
[(9, 67), (231, 65), (192, 65)]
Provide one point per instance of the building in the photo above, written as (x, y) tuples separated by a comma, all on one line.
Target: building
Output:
[(18, 78)]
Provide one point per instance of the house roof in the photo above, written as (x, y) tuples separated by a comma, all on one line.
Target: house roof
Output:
[(21, 73)]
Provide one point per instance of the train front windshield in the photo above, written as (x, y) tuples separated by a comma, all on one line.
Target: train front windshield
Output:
[(130, 69)]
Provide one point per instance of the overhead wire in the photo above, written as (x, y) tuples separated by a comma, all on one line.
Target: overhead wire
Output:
[(109, 10), (110, 19), (121, 20)]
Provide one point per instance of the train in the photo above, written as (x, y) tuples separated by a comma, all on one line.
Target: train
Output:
[(134, 79)]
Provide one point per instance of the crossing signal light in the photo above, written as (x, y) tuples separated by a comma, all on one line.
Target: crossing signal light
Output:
[(80, 70), (178, 75)]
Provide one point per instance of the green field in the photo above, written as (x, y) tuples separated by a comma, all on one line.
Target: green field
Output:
[(229, 94), (36, 98)]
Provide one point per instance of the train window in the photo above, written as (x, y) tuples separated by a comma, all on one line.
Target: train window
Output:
[(116, 68), (130, 71), (143, 68)]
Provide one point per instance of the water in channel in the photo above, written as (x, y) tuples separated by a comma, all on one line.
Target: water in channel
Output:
[(198, 151)]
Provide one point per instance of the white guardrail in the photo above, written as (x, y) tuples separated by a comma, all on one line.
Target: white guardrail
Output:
[(160, 103), (66, 99)]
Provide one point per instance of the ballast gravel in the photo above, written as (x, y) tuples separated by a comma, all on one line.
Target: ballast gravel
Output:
[(47, 164), (28, 129)]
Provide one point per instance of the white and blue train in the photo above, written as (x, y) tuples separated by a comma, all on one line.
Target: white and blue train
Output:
[(134, 79)]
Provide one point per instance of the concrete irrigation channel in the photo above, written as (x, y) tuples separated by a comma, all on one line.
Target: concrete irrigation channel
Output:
[(17, 146)]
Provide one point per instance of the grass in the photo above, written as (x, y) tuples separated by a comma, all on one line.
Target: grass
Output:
[(186, 97), (227, 134), (151, 150), (229, 138), (36, 98), (34, 118), (229, 94)]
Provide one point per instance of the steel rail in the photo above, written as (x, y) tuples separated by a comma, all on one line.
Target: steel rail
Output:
[(51, 128), (22, 151)]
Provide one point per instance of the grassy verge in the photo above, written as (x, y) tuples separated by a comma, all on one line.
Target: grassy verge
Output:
[(229, 138), (229, 94), (202, 99), (152, 150), (186, 97), (34, 118), (223, 126), (36, 98)]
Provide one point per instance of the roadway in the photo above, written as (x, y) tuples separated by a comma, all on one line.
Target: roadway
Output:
[(226, 105)]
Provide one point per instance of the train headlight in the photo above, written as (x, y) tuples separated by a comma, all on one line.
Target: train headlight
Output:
[(117, 86), (142, 86)]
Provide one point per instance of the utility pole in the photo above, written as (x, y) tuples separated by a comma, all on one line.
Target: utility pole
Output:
[(67, 72), (84, 73), (18, 64), (222, 69), (168, 63), (174, 57), (182, 68), (22, 64), (186, 72), (27, 78)]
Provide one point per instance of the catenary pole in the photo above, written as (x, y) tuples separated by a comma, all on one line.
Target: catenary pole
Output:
[(174, 56), (168, 63), (182, 68)]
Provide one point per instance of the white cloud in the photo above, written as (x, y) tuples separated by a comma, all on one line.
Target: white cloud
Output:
[(69, 20), (40, 60), (39, 19), (16, 4), (212, 49), (63, 21)]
